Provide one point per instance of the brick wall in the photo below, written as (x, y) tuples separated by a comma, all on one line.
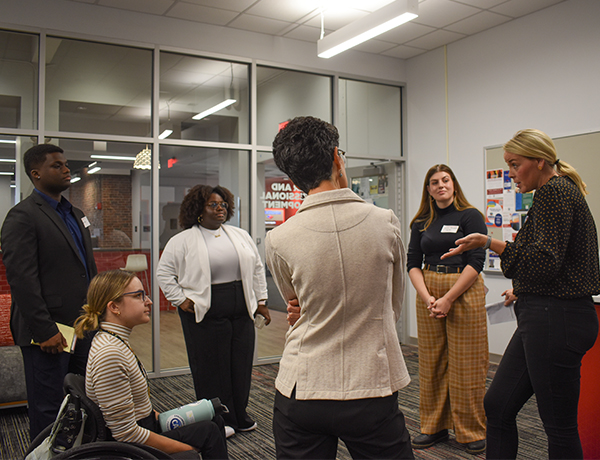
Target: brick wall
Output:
[(105, 260)]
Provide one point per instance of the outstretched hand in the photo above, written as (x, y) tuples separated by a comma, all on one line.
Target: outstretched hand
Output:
[(472, 241)]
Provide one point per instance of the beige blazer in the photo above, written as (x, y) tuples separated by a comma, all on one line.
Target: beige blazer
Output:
[(344, 260)]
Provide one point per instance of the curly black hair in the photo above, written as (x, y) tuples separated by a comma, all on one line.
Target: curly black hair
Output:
[(192, 207), (36, 155), (304, 150)]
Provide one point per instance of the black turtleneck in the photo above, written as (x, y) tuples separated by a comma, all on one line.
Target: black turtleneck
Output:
[(440, 236)]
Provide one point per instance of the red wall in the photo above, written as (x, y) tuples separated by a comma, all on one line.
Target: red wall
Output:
[(105, 260)]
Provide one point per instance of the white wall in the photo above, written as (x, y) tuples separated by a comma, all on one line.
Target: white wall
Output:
[(540, 71), (97, 22)]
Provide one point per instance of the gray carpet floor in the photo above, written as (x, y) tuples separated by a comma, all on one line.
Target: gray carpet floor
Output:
[(169, 392)]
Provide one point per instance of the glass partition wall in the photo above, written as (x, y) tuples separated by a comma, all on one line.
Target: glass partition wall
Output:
[(141, 126)]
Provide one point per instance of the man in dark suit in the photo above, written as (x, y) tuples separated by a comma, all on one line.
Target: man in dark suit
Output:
[(47, 251)]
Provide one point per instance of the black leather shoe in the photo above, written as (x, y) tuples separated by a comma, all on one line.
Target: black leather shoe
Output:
[(475, 447), (427, 440)]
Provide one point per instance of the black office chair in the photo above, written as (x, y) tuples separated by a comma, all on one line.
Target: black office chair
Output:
[(97, 442)]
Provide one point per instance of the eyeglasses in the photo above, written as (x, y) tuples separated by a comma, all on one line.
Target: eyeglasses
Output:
[(216, 204), (342, 153), (141, 295)]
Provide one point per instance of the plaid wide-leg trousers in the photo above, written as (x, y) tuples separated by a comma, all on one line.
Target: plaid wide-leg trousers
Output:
[(453, 361)]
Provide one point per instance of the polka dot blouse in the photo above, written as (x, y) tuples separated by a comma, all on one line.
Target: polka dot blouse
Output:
[(556, 251)]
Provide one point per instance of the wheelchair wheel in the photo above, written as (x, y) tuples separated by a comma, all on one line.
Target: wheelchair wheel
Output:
[(112, 450)]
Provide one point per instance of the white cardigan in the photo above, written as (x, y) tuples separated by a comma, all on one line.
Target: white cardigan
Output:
[(184, 272)]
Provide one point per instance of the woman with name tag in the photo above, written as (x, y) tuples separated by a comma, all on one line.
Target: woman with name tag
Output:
[(451, 317), (553, 263)]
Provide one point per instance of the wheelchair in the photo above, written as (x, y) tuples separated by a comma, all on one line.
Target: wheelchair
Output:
[(97, 442)]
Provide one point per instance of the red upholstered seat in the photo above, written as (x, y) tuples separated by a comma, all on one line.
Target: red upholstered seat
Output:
[(5, 335)]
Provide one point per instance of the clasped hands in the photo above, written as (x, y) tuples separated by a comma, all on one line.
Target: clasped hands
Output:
[(438, 308)]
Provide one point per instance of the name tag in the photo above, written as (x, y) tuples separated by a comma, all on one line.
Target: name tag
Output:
[(450, 229), (85, 221)]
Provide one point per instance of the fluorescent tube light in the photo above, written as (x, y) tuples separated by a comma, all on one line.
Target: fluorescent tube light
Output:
[(6, 141), (376, 23), (112, 157), (94, 170), (216, 108), (6, 173), (75, 179), (166, 133), (7, 160)]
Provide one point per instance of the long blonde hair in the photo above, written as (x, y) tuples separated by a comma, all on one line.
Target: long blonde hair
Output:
[(105, 287), (533, 143), (427, 211)]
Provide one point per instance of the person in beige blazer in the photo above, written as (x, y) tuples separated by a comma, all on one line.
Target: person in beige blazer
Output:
[(344, 260)]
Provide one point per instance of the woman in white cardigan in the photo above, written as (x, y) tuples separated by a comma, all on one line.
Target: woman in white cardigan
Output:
[(213, 273)]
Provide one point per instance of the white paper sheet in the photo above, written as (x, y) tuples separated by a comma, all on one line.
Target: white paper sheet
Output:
[(498, 313)]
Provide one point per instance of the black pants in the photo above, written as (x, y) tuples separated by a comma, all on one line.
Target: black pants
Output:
[(44, 376), (372, 428), (220, 351), (206, 436), (543, 357)]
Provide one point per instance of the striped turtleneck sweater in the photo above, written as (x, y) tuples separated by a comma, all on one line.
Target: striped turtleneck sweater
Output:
[(115, 381)]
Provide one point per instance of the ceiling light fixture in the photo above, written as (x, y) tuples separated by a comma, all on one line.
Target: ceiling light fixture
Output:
[(112, 157), (76, 178), (166, 129), (166, 132), (7, 160), (143, 160), (376, 23), (220, 106), (7, 141), (93, 168), (216, 108)]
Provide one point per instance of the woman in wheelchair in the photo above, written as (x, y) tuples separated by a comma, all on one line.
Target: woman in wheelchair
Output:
[(116, 379)]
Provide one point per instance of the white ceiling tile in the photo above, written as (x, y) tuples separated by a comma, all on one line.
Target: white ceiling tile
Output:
[(301, 19), (203, 14), (232, 5), (337, 19), (142, 6), (284, 10), (258, 24), (374, 46), (477, 23), (481, 3), (517, 8), (440, 13), (404, 52), (406, 32), (305, 33), (435, 39), (364, 5)]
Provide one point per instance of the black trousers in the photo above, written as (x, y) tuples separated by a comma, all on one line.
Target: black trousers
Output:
[(543, 357), (44, 376), (372, 428), (220, 351), (206, 436)]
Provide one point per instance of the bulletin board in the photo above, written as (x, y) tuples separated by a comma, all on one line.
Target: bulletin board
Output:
[(505, 209)]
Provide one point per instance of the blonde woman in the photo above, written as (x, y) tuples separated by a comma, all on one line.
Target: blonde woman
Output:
[(451, 318), (116, 379), (553, 263)]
